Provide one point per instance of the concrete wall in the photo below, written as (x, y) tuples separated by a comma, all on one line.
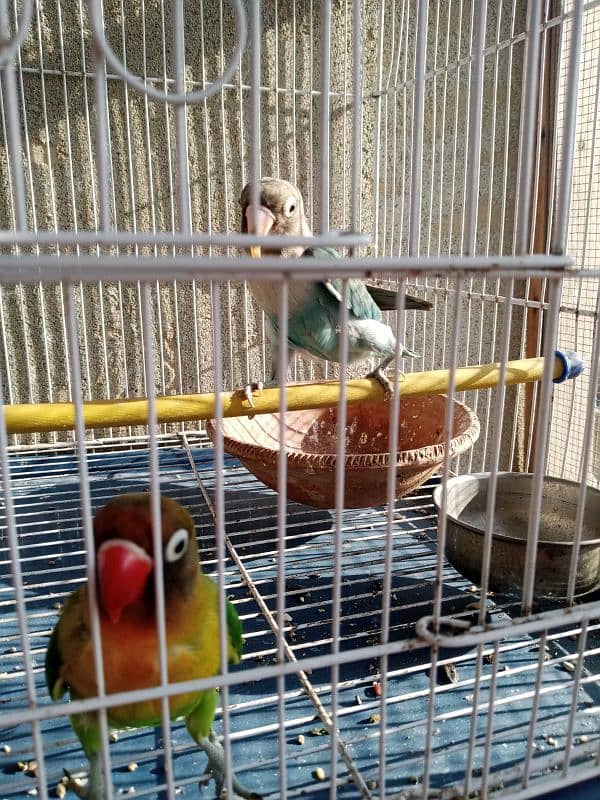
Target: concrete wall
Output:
[(59, 130)]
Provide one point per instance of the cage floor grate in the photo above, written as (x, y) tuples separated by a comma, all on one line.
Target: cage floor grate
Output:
[(46, 497)]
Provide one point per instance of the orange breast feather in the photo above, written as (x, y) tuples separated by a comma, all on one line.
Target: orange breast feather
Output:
[(130, 653)]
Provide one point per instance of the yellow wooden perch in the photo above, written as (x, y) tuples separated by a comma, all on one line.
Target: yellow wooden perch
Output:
[(44, 417)]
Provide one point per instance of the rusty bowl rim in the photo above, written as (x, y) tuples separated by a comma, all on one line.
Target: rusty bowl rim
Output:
[(429, 455), (468, 526)]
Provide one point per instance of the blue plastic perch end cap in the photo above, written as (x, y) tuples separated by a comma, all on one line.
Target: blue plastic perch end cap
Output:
[(572, 365)]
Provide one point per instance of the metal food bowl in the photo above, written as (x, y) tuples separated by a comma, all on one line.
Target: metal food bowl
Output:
[(466, 522), (311, 444)]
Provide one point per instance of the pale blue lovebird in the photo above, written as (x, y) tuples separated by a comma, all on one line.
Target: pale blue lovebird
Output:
[(314, 308)]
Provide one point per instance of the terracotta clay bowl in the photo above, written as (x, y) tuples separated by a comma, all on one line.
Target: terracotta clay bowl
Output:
[(311, 443)]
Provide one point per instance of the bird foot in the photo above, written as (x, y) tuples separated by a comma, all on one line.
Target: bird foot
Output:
[(216, 767), (73, 784), (90, 789), (380, 376), (250, 388), (248, 392)]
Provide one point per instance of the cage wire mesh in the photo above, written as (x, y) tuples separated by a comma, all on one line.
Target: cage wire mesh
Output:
[(461, 137), (579, 310)]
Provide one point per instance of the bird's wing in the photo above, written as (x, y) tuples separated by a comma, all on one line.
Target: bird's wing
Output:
[(360, 303), (234, 629), (56, 685), (85, 725), (199, 720), (72, 626), (205, 609), (386, 299)]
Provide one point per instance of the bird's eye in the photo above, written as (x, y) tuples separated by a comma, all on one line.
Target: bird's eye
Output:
[(177, 545), (290, 206)]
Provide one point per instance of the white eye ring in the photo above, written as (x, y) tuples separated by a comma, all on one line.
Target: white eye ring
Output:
[(290, 206), (177, 545)]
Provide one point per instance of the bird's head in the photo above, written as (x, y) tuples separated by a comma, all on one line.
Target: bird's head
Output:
[(280, 211), (124, 553)]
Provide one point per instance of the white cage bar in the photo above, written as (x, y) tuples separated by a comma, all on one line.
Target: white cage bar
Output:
[(447, 150)]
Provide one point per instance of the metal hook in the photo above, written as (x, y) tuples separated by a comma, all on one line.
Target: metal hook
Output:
[(174, 98)]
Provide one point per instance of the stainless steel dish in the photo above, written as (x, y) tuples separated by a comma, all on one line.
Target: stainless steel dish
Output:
[(466, 507)]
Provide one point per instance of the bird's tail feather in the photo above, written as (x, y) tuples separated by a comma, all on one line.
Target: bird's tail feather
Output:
[(406, 353), (386, 300), (416, 304)]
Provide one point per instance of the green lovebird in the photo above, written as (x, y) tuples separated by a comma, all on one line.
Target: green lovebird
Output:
[(314, 307), (125, 583)]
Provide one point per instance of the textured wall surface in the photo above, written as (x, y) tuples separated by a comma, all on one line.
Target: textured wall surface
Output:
[(59, 131), (580, 299)]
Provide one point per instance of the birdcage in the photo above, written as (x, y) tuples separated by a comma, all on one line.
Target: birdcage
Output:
[(446, 149)]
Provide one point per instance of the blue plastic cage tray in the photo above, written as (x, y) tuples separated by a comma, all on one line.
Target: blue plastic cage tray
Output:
[(46, 496)]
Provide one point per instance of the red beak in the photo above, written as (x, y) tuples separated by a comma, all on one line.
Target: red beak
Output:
[(123, 569)]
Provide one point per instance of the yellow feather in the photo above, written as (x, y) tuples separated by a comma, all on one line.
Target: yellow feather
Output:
[(130, 652)]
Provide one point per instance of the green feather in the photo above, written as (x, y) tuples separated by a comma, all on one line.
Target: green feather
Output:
[(360, 303), (54, 682), (234, 628), (199, 721), (87, 728), (320, 252)]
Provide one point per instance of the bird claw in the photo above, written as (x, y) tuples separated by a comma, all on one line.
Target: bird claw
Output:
[(93, 787), (216, 767), (449, 673), (248, 391), (379, 375), (250, 388), (75, 785)]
